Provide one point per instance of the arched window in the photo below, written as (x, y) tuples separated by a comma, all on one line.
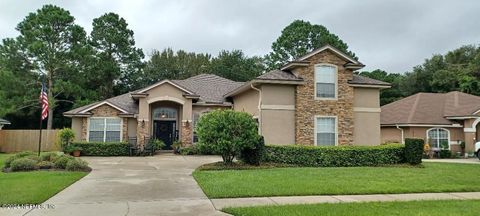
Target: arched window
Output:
[(438, 137), (162, 113)]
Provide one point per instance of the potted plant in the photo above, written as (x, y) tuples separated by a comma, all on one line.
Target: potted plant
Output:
[(73, 150), (176, 147), (158, 144)]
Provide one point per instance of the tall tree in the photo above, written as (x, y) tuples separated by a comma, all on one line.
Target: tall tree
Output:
[(51, 38), (387, 95), (17, 80), (299, 38), (118, 62), (168, 64), (235, 65)]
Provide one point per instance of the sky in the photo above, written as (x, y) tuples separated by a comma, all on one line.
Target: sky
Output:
[(392, 35)]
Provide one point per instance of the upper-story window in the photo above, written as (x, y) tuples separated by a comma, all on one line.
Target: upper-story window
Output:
[(325, 81)]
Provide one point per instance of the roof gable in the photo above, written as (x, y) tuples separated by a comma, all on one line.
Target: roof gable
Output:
[(101, 104), (163, 82), (333, 50)]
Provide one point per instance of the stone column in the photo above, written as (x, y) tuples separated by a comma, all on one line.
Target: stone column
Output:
[(187, 133), (470, 139), (142, 131)]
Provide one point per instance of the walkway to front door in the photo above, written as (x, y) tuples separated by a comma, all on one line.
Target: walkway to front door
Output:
[(158, 185)]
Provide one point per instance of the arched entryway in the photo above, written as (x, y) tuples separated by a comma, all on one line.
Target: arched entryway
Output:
[(166, 118)]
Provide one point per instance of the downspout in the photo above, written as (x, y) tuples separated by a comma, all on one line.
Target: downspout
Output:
[(401, 129), (259, 108)]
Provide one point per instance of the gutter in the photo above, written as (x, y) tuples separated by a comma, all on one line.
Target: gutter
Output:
[(259, 108), (401, 129)]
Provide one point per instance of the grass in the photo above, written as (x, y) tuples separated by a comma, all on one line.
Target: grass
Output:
[(33, 187), (411, 208), (433, 177)]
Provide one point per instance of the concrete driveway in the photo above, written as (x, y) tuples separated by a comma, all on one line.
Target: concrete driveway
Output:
[(158, 185)]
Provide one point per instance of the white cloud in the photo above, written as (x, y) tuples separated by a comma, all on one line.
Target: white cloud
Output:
[(391, 35)]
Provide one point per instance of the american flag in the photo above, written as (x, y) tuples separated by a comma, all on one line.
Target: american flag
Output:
[(44, 101)]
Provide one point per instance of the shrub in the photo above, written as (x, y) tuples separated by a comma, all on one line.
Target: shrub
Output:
[(191, 150), (335, 156), (45, 165), (34, 158), (204, 149), (9, 160), (413, 150), (65, 137), (253, 156), (102, 149), (227, 132), (23, 164), (157, 144), (71, 148), (62, 161), (77, 165), (445, 153), (48, 156)]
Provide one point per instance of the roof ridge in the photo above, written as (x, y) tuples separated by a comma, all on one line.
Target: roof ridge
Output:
[(414, 107)]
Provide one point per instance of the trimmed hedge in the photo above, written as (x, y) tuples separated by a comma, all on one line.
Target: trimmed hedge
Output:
[(414, 150), (335, 156), (103, 149)]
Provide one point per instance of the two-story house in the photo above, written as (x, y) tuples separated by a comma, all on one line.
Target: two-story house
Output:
[(314, 100)]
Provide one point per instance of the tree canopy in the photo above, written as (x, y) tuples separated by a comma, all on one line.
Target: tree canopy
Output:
[(458, 70), (299, 38)]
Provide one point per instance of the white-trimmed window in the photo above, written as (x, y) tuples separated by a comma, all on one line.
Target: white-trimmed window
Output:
[(325, 131), (105, 130), (437, 136), (325, 81)]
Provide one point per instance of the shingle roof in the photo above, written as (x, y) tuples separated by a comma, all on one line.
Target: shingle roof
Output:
[(357, 79), (124, 101), (209, 87), (279, 75), (429, 108), (4, 122)]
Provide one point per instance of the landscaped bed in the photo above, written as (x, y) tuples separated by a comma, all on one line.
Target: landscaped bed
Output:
[(430, 177), (434, 207), (33, 187)]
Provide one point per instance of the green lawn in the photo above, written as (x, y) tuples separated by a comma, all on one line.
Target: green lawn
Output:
[(412, 208), (434, 177), (33, 187)]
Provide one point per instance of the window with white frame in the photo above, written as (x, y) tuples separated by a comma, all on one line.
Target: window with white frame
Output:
[(437, 136), (325, 81), (325, 131), (105, 130)]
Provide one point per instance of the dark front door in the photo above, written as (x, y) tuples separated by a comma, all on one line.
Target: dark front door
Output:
[(165, 131)]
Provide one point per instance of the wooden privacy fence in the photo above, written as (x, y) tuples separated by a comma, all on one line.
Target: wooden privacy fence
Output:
[(27, 140)]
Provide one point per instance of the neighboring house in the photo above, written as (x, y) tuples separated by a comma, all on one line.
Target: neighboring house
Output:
[(314, 100), (435, 117), (3, 122)]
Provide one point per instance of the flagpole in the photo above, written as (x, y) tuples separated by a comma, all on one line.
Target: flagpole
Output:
[(40, 136)]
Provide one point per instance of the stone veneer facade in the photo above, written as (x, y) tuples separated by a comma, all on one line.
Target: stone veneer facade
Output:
[(142, 132), (307, 107), (187, 134), (104, 111)]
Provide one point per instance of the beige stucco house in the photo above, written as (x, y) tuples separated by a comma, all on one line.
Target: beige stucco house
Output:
[(451, 118), (314, 100)]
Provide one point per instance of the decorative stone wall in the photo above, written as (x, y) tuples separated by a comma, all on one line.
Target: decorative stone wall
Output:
[(104, 111), (187, 134), (142, 131), (307, 107)]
